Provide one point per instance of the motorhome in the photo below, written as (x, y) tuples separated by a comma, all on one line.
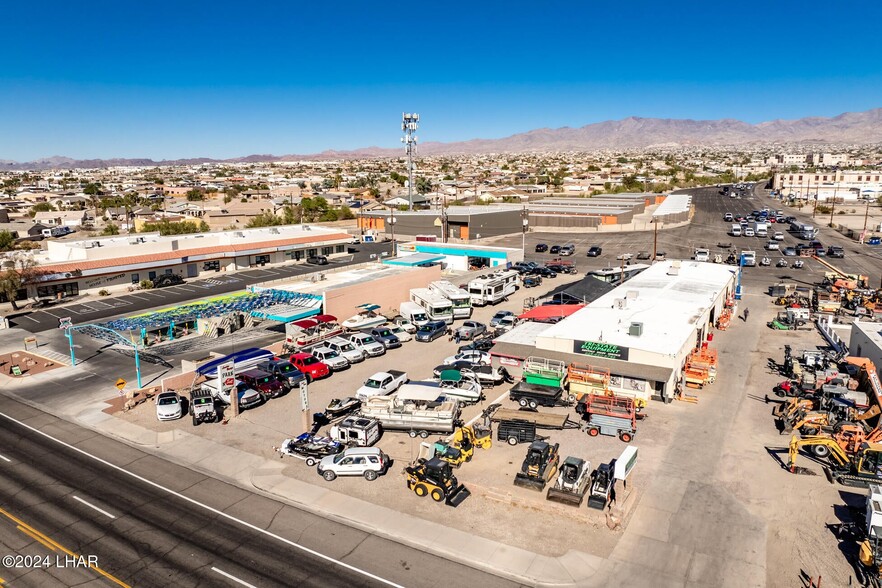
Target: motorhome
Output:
[(437, 307), (493, 288), (459, 298)]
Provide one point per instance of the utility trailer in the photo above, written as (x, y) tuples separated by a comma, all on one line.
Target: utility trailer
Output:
[(609, 415), (535, 395), (519, 426)]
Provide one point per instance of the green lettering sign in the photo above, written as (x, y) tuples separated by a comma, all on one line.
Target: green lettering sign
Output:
[(597, 349)]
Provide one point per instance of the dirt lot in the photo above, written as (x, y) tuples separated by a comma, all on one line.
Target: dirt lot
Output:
[(496, 506), (29, 364)]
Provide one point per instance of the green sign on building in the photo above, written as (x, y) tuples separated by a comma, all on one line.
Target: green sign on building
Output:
[(605, 350)]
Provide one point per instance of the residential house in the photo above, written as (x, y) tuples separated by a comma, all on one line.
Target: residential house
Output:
[(61, 218)]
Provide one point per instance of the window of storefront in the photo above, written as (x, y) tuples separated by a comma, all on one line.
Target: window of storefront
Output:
[(311, 252), (261, 259), (67, 289), (298, 255), (136, 278), (151, 276), (168, 272), (327, 250), (211, 265), (340, 248)]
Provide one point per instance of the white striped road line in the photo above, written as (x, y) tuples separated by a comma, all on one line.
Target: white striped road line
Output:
[(232, 577), (52, 314), (199, 504), (139, 297), (6, 459), (29, 318), (185, 289), (90, 505)]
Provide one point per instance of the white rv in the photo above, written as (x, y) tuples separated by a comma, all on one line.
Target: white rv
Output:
[(459, 298), (437, 307), (493, 288)]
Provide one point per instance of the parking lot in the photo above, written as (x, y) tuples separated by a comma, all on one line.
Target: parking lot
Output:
[(709, 501)]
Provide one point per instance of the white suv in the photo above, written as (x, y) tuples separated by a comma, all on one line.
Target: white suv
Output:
[(367, 344), (369, 462)]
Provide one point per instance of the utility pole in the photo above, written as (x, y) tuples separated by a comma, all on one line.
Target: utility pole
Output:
[(392, 225), (654, 240), (524, 224), (409, 124), (444, 226), (833, 208)]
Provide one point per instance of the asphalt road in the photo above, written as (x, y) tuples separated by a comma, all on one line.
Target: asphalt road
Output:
[(182, 529), (210, 285)]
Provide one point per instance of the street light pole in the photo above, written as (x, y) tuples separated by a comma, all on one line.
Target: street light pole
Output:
[(525, 223), (654, 240), (392, 226)]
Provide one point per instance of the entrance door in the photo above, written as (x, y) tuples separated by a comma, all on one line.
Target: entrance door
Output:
[(191, 270)]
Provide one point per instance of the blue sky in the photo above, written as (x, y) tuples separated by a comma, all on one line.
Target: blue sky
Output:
[(224, 79)]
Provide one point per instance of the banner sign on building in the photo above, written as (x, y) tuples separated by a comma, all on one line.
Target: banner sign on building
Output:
[(605, 350)]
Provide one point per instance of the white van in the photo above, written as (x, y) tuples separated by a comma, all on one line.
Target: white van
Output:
[(702, 255), (736, 230), (413, 312)]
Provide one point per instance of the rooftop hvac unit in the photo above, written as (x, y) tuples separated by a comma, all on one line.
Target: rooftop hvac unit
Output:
[(636, 329), (621, 304)]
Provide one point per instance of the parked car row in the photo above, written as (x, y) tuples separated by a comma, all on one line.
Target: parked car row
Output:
[(565, 250)]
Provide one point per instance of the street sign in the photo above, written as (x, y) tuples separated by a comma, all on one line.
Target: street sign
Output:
[(304, 396), (227, 376), (120, 384)]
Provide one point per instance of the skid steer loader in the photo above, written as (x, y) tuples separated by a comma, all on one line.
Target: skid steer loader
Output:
[(539, 467), (572, 482), (434, 478)]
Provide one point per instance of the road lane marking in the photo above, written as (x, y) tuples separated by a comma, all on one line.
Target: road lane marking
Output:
[(21, 523), (197, 503), (90, 505), (232, 577), (36, 538), (28, 317), (6, 459)]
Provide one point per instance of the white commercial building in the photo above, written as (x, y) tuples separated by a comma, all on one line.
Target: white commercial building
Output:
[(866, 341), (641, 331)]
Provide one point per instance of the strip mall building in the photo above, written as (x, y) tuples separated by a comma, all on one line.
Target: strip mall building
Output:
[(74, 267)]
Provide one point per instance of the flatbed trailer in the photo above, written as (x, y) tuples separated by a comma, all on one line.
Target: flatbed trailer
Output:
[(519, 426)]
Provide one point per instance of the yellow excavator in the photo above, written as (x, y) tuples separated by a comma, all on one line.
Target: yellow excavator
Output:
[(860, 468)]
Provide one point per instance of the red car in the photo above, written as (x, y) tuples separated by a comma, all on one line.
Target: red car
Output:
[(310, 365)]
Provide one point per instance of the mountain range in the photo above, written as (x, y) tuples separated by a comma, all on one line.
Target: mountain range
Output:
[(630, 133)]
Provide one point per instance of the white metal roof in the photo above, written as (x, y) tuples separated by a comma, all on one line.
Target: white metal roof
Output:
[(667, 305), (674, 204), (524, 333)]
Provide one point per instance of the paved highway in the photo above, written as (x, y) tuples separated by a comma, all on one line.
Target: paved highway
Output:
[(209, 285), (147, 522)]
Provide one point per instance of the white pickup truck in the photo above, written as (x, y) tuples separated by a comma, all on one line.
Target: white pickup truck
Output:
[(381, 384)]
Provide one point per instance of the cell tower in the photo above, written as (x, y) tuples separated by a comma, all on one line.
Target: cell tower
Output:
[(410, 122)]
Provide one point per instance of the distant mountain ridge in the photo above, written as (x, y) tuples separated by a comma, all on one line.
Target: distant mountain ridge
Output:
[(629, 133)]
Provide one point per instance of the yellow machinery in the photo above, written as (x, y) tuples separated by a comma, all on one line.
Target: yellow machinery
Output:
[(476, 436), (435, 478), (859, 469)]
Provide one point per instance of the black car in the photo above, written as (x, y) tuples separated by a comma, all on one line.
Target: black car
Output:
[(561, 269), (555, 249), (546, 272), (531, 281), (317, 260), (541, 248), (594, 251), (167, 280), (836, 251), (482, 344)]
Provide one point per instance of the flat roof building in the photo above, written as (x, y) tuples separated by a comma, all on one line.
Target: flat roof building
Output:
[(642, 330)]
